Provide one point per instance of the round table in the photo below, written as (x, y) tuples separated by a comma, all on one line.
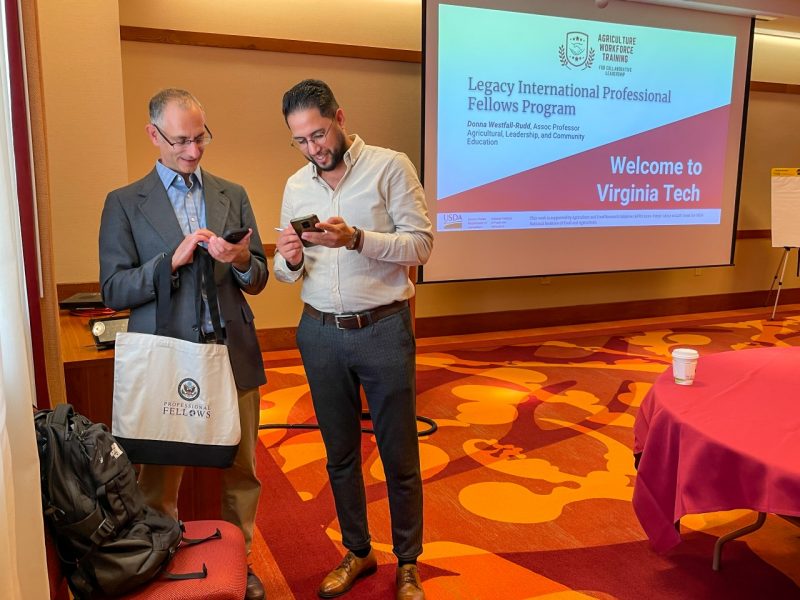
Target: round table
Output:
[(731, 440)]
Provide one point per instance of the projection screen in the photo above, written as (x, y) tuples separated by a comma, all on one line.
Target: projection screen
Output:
[(564, 138)]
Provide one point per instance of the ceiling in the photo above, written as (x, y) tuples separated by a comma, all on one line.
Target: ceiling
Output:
[(788, 24), (790, 9)]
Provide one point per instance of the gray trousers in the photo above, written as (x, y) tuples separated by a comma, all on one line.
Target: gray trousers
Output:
[(380, 358)]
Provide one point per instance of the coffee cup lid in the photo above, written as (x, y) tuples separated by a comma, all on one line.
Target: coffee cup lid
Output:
[(685, 353)]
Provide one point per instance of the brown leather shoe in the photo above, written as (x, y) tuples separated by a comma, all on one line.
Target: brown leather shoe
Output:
[(254, 589), (342, 578), (409, 587)]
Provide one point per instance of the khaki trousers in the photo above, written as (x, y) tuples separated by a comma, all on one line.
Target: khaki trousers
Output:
[(240, 485)]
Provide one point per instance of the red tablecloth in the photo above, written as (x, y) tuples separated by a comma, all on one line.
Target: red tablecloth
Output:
[(731, 440)]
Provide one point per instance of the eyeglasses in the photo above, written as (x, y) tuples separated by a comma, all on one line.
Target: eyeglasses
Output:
[(318, 138), (201, 140)]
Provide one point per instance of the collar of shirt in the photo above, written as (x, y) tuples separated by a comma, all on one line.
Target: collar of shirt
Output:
[(350, 157), (190, 212), (168, 176), (395, 224), (188, 203)]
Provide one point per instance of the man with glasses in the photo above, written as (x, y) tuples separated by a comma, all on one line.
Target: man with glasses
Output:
[(165, 216), (355, 331)]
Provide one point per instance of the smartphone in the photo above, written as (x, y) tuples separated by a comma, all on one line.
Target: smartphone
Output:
[(302, 225), (234, 236)]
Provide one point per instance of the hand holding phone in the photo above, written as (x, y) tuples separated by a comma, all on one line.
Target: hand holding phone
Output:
[(234, 236), (305, 224)]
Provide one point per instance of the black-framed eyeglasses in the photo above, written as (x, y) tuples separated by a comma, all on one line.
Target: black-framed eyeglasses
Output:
[(201, 140), (318, 138)]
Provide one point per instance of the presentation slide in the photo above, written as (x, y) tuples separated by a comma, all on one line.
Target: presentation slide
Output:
[(564, 138)]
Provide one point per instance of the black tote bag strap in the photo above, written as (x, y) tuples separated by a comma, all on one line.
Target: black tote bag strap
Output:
[(204, 280), (162, 281)]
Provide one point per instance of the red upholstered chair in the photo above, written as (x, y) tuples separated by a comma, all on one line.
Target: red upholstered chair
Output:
[(225, 559)]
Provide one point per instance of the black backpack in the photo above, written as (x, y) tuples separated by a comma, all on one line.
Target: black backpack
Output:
[(108, 540)]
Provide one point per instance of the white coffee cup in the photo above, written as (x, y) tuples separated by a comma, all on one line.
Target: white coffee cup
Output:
[(684, 363)]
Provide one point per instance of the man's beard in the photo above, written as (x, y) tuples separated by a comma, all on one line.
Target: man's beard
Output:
[(336, 155)]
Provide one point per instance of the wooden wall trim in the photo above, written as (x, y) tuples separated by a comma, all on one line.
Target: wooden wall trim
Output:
[(283, 338), (65, 290), (428, 327), (264, 44), (595, 313), (775, 88), (152, 35)]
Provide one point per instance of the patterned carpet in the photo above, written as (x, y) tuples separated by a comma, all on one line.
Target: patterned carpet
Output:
[(528, 481)]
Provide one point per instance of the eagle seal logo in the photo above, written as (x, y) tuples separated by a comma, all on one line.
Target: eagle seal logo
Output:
[(188, 389)]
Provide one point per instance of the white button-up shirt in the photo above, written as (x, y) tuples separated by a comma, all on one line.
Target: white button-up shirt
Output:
[(380, 194)]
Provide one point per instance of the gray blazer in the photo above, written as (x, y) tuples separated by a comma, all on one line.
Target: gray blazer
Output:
[(139, 228)]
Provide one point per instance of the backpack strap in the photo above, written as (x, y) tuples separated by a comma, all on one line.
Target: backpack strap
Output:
[(217, 535), (61, 415), (95, 527), (64, 418), (181, 576)]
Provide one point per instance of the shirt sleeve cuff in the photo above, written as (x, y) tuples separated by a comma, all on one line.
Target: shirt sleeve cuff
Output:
[(244, 277), (370, 244)]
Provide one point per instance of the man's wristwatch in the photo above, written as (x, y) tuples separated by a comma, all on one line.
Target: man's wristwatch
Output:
[(296, 267), (355, 241)]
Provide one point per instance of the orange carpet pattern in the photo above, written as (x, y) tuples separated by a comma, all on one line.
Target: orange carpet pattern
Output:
[(528, 481)]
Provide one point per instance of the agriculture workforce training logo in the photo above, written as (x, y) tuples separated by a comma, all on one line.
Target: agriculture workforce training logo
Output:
[(576, 53)]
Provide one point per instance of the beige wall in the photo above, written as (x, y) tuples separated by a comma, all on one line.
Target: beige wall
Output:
[(82, 88), (773, 122), (242, 91), (381, 23), (775, 59)]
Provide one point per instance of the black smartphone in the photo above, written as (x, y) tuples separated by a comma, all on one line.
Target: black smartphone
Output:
[(305, 224), (234, 236)]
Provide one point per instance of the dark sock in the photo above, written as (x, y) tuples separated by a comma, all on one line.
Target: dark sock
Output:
[(412, 561), (362, 553)]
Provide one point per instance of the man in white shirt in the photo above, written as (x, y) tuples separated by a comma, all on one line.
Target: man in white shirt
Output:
[(356, 325)]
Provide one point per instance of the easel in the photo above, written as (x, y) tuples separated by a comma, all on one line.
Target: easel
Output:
[(782, 270), (785, 201)]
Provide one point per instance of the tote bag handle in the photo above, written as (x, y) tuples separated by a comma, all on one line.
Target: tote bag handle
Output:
[(204, 280)]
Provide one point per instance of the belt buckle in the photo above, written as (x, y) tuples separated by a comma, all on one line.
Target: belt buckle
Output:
[(347, 316)]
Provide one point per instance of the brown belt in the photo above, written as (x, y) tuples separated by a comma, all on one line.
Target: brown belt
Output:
[(355, 320)]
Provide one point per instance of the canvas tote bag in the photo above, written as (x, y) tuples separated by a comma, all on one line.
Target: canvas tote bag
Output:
[(175, 402)]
